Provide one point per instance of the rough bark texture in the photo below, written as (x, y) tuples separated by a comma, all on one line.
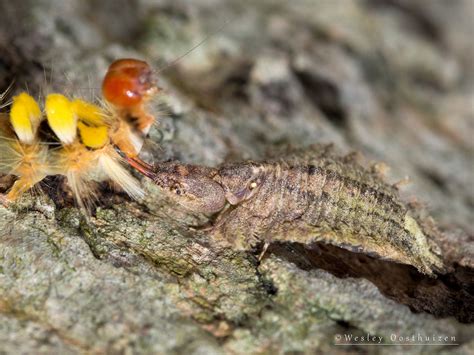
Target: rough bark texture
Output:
[(390, 79)]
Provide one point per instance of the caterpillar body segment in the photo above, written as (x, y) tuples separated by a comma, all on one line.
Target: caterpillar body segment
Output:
[(25, 117), (22, 154), (61, 117)]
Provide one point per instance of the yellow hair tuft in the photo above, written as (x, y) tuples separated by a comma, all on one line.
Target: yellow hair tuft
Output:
[(93, 137), (61, 117), (87, 112), (25, 117), (110, 164)]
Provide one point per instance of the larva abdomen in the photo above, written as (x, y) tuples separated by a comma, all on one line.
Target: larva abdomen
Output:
[(346, 202), (344, 208)]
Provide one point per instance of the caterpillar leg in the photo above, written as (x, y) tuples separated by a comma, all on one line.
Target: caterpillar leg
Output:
[(128, 141), (144, 120), (237, 229), (19, 188)]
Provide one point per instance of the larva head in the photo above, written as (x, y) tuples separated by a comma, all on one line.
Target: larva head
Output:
[(190, 186), (128, 82), (25, 117), (241, 181), (61, 117)]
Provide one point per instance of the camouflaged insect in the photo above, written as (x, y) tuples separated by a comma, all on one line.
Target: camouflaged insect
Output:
[(306, 196)]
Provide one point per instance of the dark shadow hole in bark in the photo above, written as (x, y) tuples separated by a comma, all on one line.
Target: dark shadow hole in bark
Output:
[(447, 295), (415, 16), (324, 95), (105, 194), (434, 177), (343, 324)]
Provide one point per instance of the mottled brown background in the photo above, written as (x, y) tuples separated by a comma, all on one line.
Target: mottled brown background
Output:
[(391, 79)]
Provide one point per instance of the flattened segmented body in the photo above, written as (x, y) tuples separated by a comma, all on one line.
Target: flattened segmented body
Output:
[(320, 197), (308, 196)]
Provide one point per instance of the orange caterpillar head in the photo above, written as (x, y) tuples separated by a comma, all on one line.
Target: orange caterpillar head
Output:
[(128, 83)]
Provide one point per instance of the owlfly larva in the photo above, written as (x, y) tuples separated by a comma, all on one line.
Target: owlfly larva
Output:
[(307, 196)]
